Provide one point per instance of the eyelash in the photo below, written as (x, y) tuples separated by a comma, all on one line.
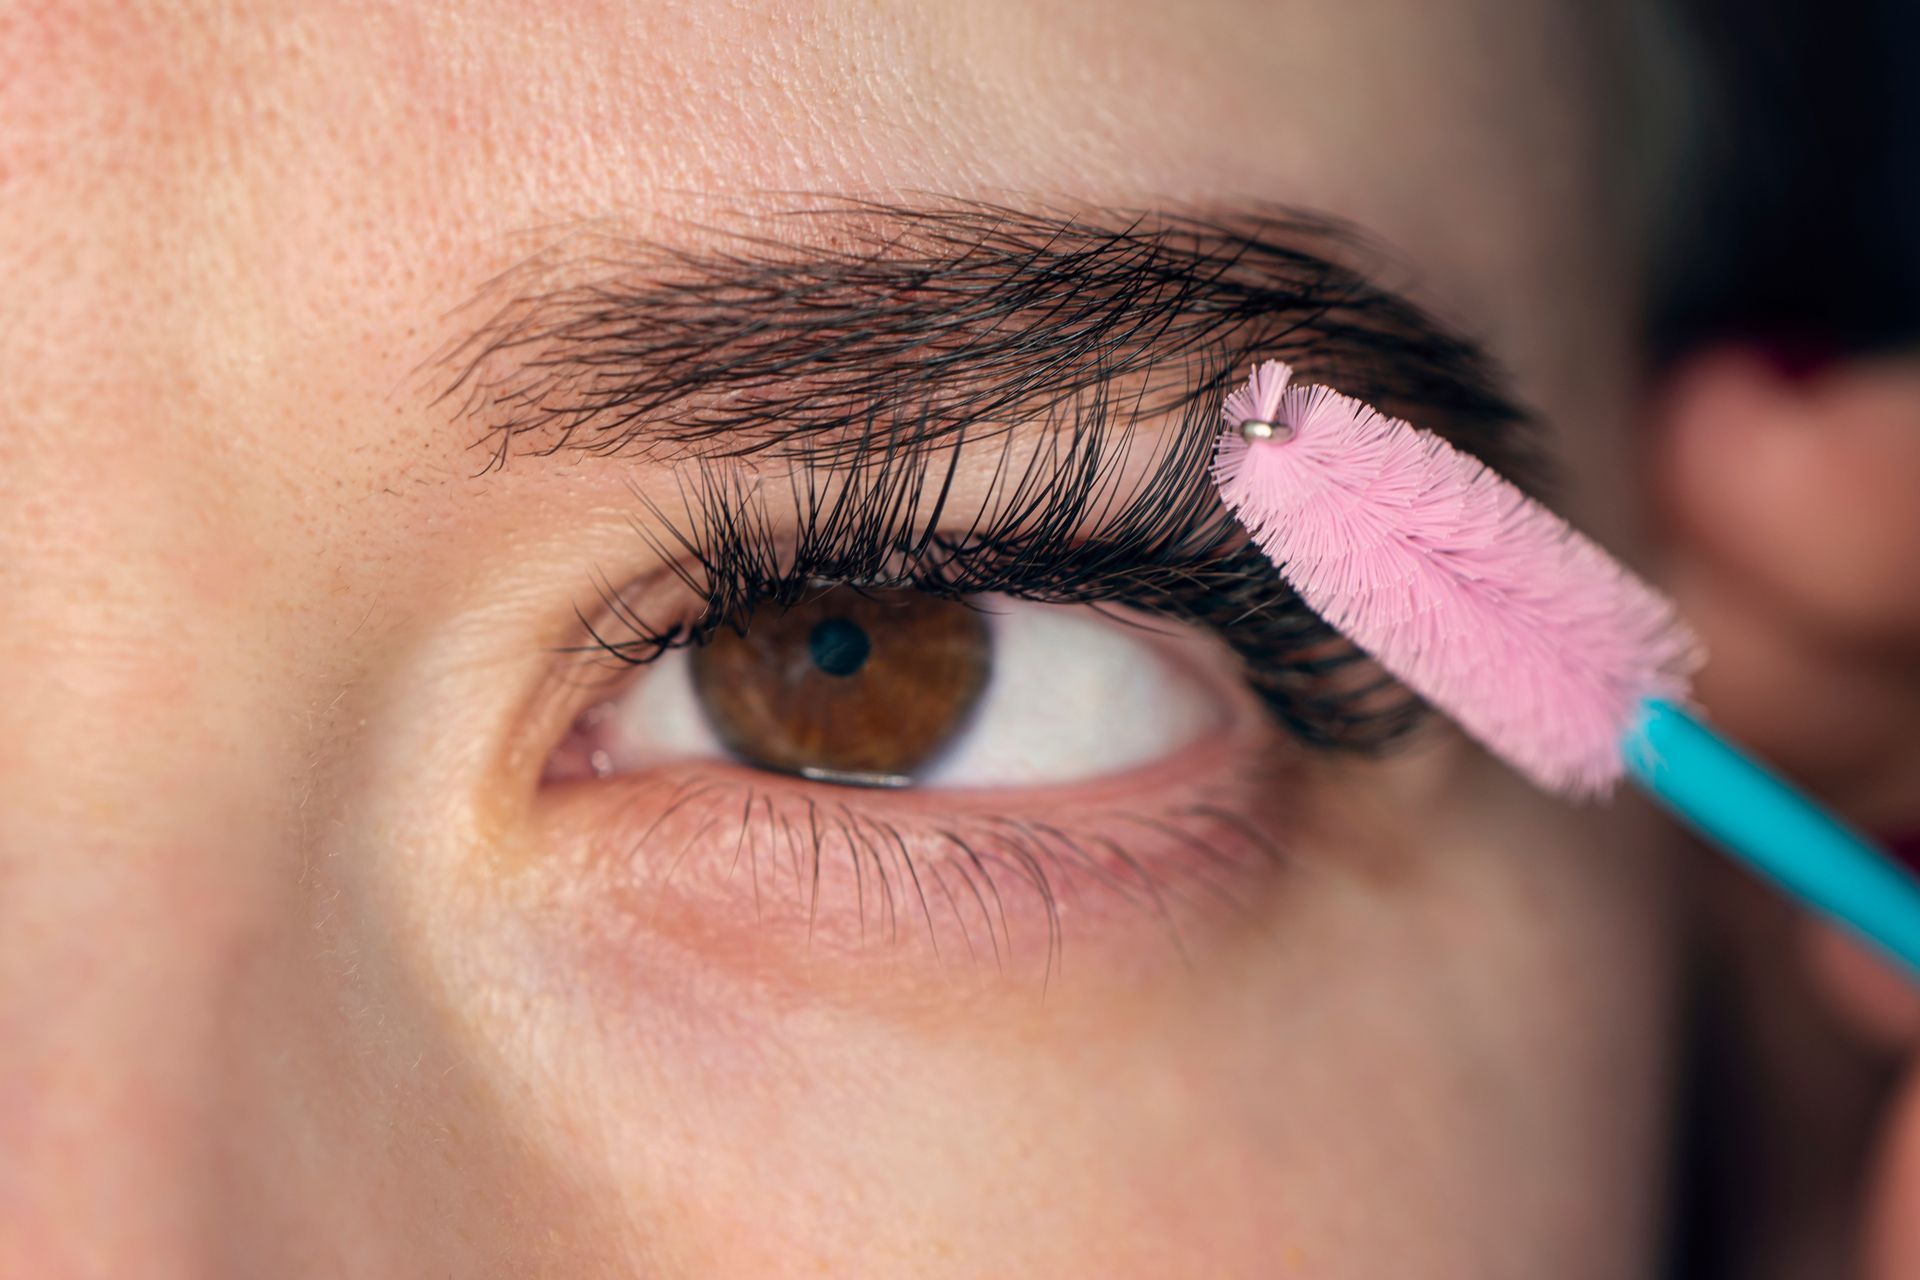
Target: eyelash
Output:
[(813, 400), (977, 873), (1055, 529)]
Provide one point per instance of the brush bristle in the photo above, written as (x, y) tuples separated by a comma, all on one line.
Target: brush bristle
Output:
[(1480, 600)]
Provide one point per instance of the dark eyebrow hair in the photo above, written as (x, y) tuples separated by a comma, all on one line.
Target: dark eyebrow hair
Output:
[(812, 331)]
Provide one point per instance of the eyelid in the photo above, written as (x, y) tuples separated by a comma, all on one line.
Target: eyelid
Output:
[(750, 870)]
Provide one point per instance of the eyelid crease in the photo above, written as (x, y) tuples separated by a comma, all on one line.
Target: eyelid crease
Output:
[(806, 331)]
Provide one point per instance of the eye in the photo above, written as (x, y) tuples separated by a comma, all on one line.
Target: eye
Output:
[(901, 688), (846, 687)]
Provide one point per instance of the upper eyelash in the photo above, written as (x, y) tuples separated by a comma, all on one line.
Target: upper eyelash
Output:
[(1054, 530)]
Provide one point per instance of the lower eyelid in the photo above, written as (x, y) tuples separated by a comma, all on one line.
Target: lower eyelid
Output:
[(762, 871)]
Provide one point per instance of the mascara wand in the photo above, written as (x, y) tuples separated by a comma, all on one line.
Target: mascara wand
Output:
[(1531, 638)]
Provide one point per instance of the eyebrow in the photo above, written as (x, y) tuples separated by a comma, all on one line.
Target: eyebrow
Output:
[(810, 331)]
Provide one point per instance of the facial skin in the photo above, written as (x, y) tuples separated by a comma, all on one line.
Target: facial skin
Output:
[(302, 971)]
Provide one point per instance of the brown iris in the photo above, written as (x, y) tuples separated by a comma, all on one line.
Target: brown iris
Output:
[(847, 687)]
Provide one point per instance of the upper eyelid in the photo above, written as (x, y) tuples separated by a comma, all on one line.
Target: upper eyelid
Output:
[(812, 328)]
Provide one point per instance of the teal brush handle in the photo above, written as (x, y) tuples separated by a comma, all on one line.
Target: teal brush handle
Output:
[(1774, 829)]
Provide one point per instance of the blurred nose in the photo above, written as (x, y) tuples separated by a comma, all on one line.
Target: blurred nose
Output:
[(138, 869)]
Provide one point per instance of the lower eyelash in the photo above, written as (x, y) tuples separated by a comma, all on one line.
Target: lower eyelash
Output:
[(984, 889)]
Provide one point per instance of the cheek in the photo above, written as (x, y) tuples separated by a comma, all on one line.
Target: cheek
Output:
[(1393, 1068)]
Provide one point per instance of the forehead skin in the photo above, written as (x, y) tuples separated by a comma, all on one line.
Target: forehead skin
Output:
[(230, 519), (328, 170)]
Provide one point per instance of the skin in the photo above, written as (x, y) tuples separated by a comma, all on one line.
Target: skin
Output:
[(288, 979)]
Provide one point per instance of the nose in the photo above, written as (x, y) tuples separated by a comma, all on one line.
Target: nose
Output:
[(139, 888)]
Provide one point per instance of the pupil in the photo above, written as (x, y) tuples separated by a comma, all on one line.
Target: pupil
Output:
[(838, 647)]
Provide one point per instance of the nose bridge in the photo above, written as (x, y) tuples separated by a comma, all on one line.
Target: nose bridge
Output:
[(136, 871)]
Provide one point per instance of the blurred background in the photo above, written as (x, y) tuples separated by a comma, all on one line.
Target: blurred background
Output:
[(1796, 216), (1785, 287)]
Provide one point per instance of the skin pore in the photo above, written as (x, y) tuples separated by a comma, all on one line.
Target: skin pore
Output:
[(303, 971)]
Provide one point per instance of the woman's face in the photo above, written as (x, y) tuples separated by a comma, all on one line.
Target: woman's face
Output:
[(361, 917)]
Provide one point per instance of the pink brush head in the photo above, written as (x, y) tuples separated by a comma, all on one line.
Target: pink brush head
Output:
[(1477, 598)]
